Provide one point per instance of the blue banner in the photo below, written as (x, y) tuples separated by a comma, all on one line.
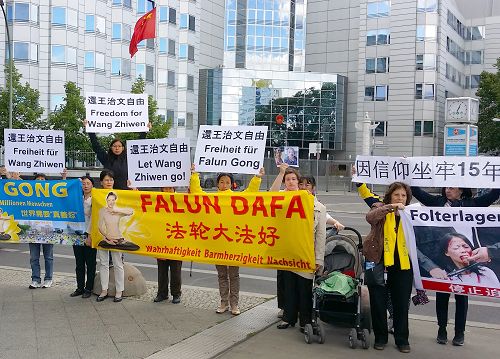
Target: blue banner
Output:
[(42, 211)]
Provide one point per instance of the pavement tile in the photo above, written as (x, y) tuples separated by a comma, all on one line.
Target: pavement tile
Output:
[(57, 347), (19, 353), (139, 350), (121, 333)]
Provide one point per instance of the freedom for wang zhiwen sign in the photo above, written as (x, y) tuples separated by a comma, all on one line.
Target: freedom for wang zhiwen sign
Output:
[(42, 211), (113, 113), (34, 150)]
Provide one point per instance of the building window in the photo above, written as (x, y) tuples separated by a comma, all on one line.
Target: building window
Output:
[(473, 57), (116, 31), (424, 128), (163, 13), (424, 91), (378, 37), (149, 73), (378, 9), (64, 16), (124, 3), (381, 129), (369, 93), (192, 23), (22, 12), (426, 62), (477, 32), (190, 83), (24, 51), (379, 65), (426, 32), (190, 53), (427, 5), (381, 93), (144, 6), (162, 46), (171, 78), (171, 47), (183, 21), (63, 54), (89, 60), (140, 71), (119, 66), (189, 121), (474, 81), (56, 101), (172, 15), (170, 115), (95, 23)]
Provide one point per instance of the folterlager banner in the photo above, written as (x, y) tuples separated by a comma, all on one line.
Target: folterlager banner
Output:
[(266, 230)]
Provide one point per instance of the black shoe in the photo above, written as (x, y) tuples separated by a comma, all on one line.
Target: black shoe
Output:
[(86, 294), (405, 348), (284, 325), (117, 299), (101, 298), (159, 298), (458, 340), (176, 299), (442, 337), (76, 293), (379, 346)]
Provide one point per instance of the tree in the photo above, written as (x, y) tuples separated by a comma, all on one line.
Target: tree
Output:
[(489, 108), (69, 117), (160, 128), (26, 109)]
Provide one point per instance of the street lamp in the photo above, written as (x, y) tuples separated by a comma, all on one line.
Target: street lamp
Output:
[(367, 130), (9, 42)]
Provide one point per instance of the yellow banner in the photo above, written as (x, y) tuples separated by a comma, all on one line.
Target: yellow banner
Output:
[(260, 229)]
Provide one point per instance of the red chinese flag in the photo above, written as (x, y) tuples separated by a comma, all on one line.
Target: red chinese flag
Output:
[(145, 28)]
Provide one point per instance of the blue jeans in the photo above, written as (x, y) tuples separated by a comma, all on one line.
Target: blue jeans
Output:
[(48, 255)]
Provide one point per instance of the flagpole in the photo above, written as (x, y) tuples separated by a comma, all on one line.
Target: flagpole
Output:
[(157, 44)]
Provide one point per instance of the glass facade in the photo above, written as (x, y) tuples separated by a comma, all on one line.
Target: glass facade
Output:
[(312, 105), (265, 34)]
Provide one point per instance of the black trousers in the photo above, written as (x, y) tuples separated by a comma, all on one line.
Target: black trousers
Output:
[(85, 257), (461, 307), (280, 289), (297, 298), (399, 285), (175, 277)]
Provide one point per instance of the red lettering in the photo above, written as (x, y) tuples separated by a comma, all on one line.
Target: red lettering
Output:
[(274, 206), (244, 203), (207, 203), (175, 209), (145, 201), (190, 208), (258, 206), (161, 203), (296, 206)]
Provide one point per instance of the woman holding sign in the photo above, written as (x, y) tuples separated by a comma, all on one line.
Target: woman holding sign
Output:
[(228, 276), (116, 157), (385, 246)]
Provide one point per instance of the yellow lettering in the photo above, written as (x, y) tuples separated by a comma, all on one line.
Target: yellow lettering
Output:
[(10, 189), (25, 189), (40, 189), (60, 190)]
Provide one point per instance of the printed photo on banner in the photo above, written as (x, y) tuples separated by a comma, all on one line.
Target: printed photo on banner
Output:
[(432, 171), (34, 150), (288, 155), (230, 149), (240, 229), (42, 212), (455, 250), (159, 162), (114, 113)]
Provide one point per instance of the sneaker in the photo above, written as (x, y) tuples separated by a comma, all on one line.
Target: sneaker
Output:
[(222, 309), (458, 340), (379, 346), (176, 299), (47, 283), (442, 337), (34, 285), (235, 311)]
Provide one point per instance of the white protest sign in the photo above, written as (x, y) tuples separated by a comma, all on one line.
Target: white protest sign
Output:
[(443, 242), (436, 171), (34, 150), (159, 162), (234, 149), (112, 113)]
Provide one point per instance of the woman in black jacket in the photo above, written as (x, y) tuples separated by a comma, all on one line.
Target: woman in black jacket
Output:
[(115, 159), (452, 197)]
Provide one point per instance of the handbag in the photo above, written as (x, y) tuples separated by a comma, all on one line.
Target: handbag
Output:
[(374, 274)]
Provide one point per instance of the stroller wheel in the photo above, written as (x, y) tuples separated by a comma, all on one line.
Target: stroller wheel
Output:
[(365, 339), (308, 333), (321, 333), (353, 339)]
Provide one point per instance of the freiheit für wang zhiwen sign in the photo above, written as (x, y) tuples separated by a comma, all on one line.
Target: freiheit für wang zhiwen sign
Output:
[(112, 113)]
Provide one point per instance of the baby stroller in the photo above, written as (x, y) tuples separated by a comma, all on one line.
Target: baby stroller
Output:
[(342, 254)]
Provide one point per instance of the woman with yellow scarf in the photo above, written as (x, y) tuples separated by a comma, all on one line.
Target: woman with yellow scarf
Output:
[(385, 246)]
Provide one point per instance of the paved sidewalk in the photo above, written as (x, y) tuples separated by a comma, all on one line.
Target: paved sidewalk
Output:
[(48, 323)]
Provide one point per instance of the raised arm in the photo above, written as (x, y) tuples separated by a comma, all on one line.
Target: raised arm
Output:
[(275, 187), (194, 182), (102, 156), (254, 185), (487, 199)]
